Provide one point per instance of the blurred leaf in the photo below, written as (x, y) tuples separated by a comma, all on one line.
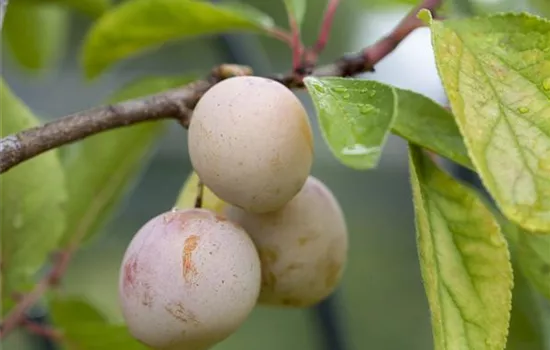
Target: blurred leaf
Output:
[(297, 8), (93, 8), (188, 195), (422, 121), (496, 73), (533, 255), (103, 167), (388, 3), (355, 117), (464, 260), (70, 310), (140, 25), (542, 6), (36, 34), (32, 196), (526, 323), (84, 328)]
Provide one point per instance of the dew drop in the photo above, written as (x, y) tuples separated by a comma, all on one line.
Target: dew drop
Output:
[(546, 84), (17, 221), (319, 88), (359, 150), (345, 96), (339, 89), (365, 109), (523, 110)]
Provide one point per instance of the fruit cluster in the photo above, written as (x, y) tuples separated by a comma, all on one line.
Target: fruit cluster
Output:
[(268, 232)]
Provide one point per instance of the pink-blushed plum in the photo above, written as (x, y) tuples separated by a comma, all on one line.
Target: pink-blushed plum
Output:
[(303, 246), (250, 142), (189, 279)]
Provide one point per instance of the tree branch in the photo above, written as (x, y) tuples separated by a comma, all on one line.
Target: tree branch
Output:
[(178, 103)]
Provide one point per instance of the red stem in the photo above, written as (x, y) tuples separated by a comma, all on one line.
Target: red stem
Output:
[(41, 330), (324, 31)]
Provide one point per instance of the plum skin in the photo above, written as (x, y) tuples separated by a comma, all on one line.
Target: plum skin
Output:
[(189, 279), (303, 246), (250, 141)]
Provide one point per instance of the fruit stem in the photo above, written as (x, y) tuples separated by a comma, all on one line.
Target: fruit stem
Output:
[(200, 193)]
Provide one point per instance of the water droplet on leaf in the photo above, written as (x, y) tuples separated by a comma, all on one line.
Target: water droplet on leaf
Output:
[(546, 84), (523, 110), (359, 150), (339, 89)]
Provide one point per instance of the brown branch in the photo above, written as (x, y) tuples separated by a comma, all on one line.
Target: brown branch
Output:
[(42, 330), (178, 103)]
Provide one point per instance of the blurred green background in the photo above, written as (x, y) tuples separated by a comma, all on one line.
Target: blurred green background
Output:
[(381, 301)]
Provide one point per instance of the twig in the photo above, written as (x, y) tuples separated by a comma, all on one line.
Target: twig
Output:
[(178, 103), (3, 10), (324, 32), (200, 194), (42, 330), (296, 45)]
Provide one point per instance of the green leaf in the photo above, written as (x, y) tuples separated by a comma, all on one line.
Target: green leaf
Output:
[(85, 328), (36, 34), (464, 260), (93, 8), (423, 122), (527, 321), (140, 25), (297, 8), (32, 195), (70, 310), (102, 168), (533, 255), (355, 117), (496, 73)]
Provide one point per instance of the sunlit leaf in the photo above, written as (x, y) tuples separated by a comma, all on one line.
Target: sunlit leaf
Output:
[(102, 168), (355, 117), (84, 328), (140, 25), (464, 260), (188, 195), (32, 196), (496, 73), (297, 8), (36, 34), (423, 122)]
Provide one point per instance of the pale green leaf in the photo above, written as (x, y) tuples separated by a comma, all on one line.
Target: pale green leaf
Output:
[(102, 168), (423, 122), (93, 8), (85, 328), (355, 117), (464, 260), (533, 255), (32, 196), (36, 34), (140, 25), (297, 8), (496, 73)]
